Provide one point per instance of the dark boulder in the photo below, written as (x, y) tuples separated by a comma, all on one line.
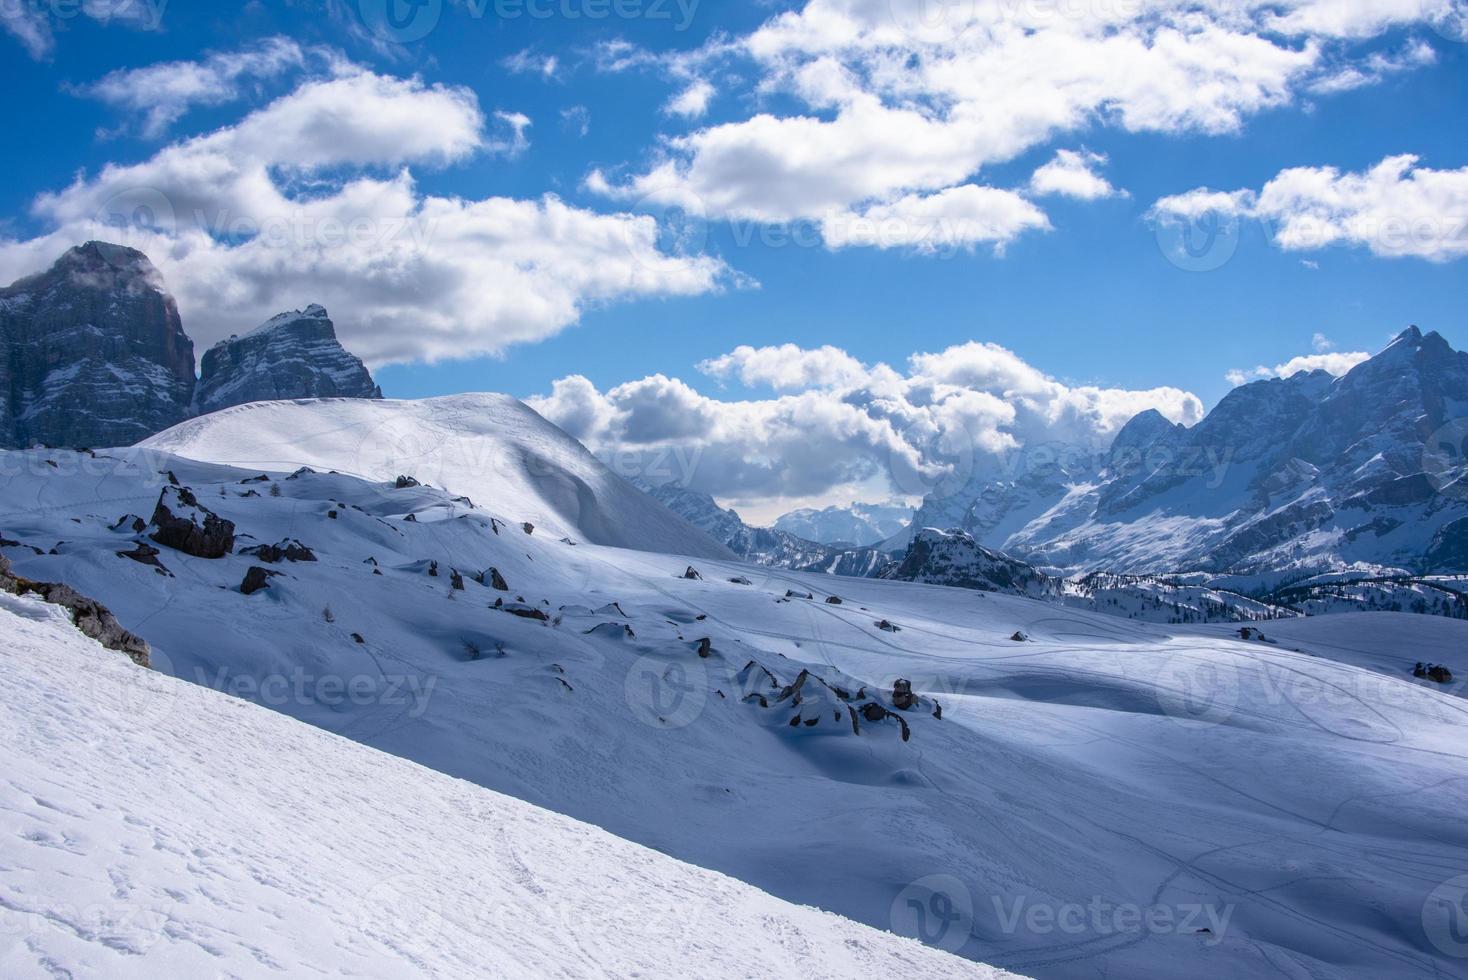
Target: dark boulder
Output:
[(256, 578), (186, 525)]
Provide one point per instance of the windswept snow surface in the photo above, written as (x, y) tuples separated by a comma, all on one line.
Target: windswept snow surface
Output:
[(153, 830), (484, 446), (1100, 798)]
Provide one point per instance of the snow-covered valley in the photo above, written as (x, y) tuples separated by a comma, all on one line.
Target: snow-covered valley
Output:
[(1046, 789)]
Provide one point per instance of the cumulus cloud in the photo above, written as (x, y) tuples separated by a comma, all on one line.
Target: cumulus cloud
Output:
[(1395, 209), (905, 101), (692, 102), (1335, 362), (312, 198), (1073, 174), (835, 426), (959, 217), (787, 367), (161, 94)]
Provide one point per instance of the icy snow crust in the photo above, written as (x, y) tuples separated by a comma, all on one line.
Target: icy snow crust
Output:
[(1303, 810), (155, 830)]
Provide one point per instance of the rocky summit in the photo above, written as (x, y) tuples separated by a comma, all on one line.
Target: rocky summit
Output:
[(293, 355), (92, 352)]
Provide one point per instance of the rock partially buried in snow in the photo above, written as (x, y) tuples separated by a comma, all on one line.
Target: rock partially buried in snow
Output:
[(88, 615), (184, 524), (256, 578)]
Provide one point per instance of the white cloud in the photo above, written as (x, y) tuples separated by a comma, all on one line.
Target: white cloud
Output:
[(1334, 362), (1395, 209), (162, 93), (1073, 174), (787, 367), (311, 199), (29, 26), (692, 102), (839, 427), (530, 62), (959, 217), (29, 21), (1321, 343), (902, 100), (513, 142), (576, 119)]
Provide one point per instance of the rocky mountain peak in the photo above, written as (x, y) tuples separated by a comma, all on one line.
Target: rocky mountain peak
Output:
[(292, 355), (94, 352)]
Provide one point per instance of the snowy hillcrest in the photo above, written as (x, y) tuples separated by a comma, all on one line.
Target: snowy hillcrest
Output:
[(93, 353), (485, 447), (1284, 478), (828, 740), (293, 355)]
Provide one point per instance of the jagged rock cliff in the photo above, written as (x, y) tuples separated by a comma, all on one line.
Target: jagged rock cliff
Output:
[(92, 352), (293, 355)]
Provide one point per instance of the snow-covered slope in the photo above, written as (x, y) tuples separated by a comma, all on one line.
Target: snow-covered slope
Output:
[(293, 355), (1099, 798), (152, 829), (488, 447)]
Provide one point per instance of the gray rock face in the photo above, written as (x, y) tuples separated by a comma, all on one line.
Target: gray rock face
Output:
[(293, 355), (92, 352)]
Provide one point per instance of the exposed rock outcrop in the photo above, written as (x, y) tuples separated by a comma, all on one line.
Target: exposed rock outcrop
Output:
[(92, 352), (186, 525), (87, 614), (293, 355)]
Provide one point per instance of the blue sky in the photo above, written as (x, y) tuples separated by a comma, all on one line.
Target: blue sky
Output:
[(821, 117)]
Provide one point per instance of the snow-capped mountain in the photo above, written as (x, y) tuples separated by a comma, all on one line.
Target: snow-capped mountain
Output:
[(490, 448), (293, 355), (158, 829), (761, 545), (92, 352), (1284, 478), (827, 740), (858, 525), (955, 559)]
